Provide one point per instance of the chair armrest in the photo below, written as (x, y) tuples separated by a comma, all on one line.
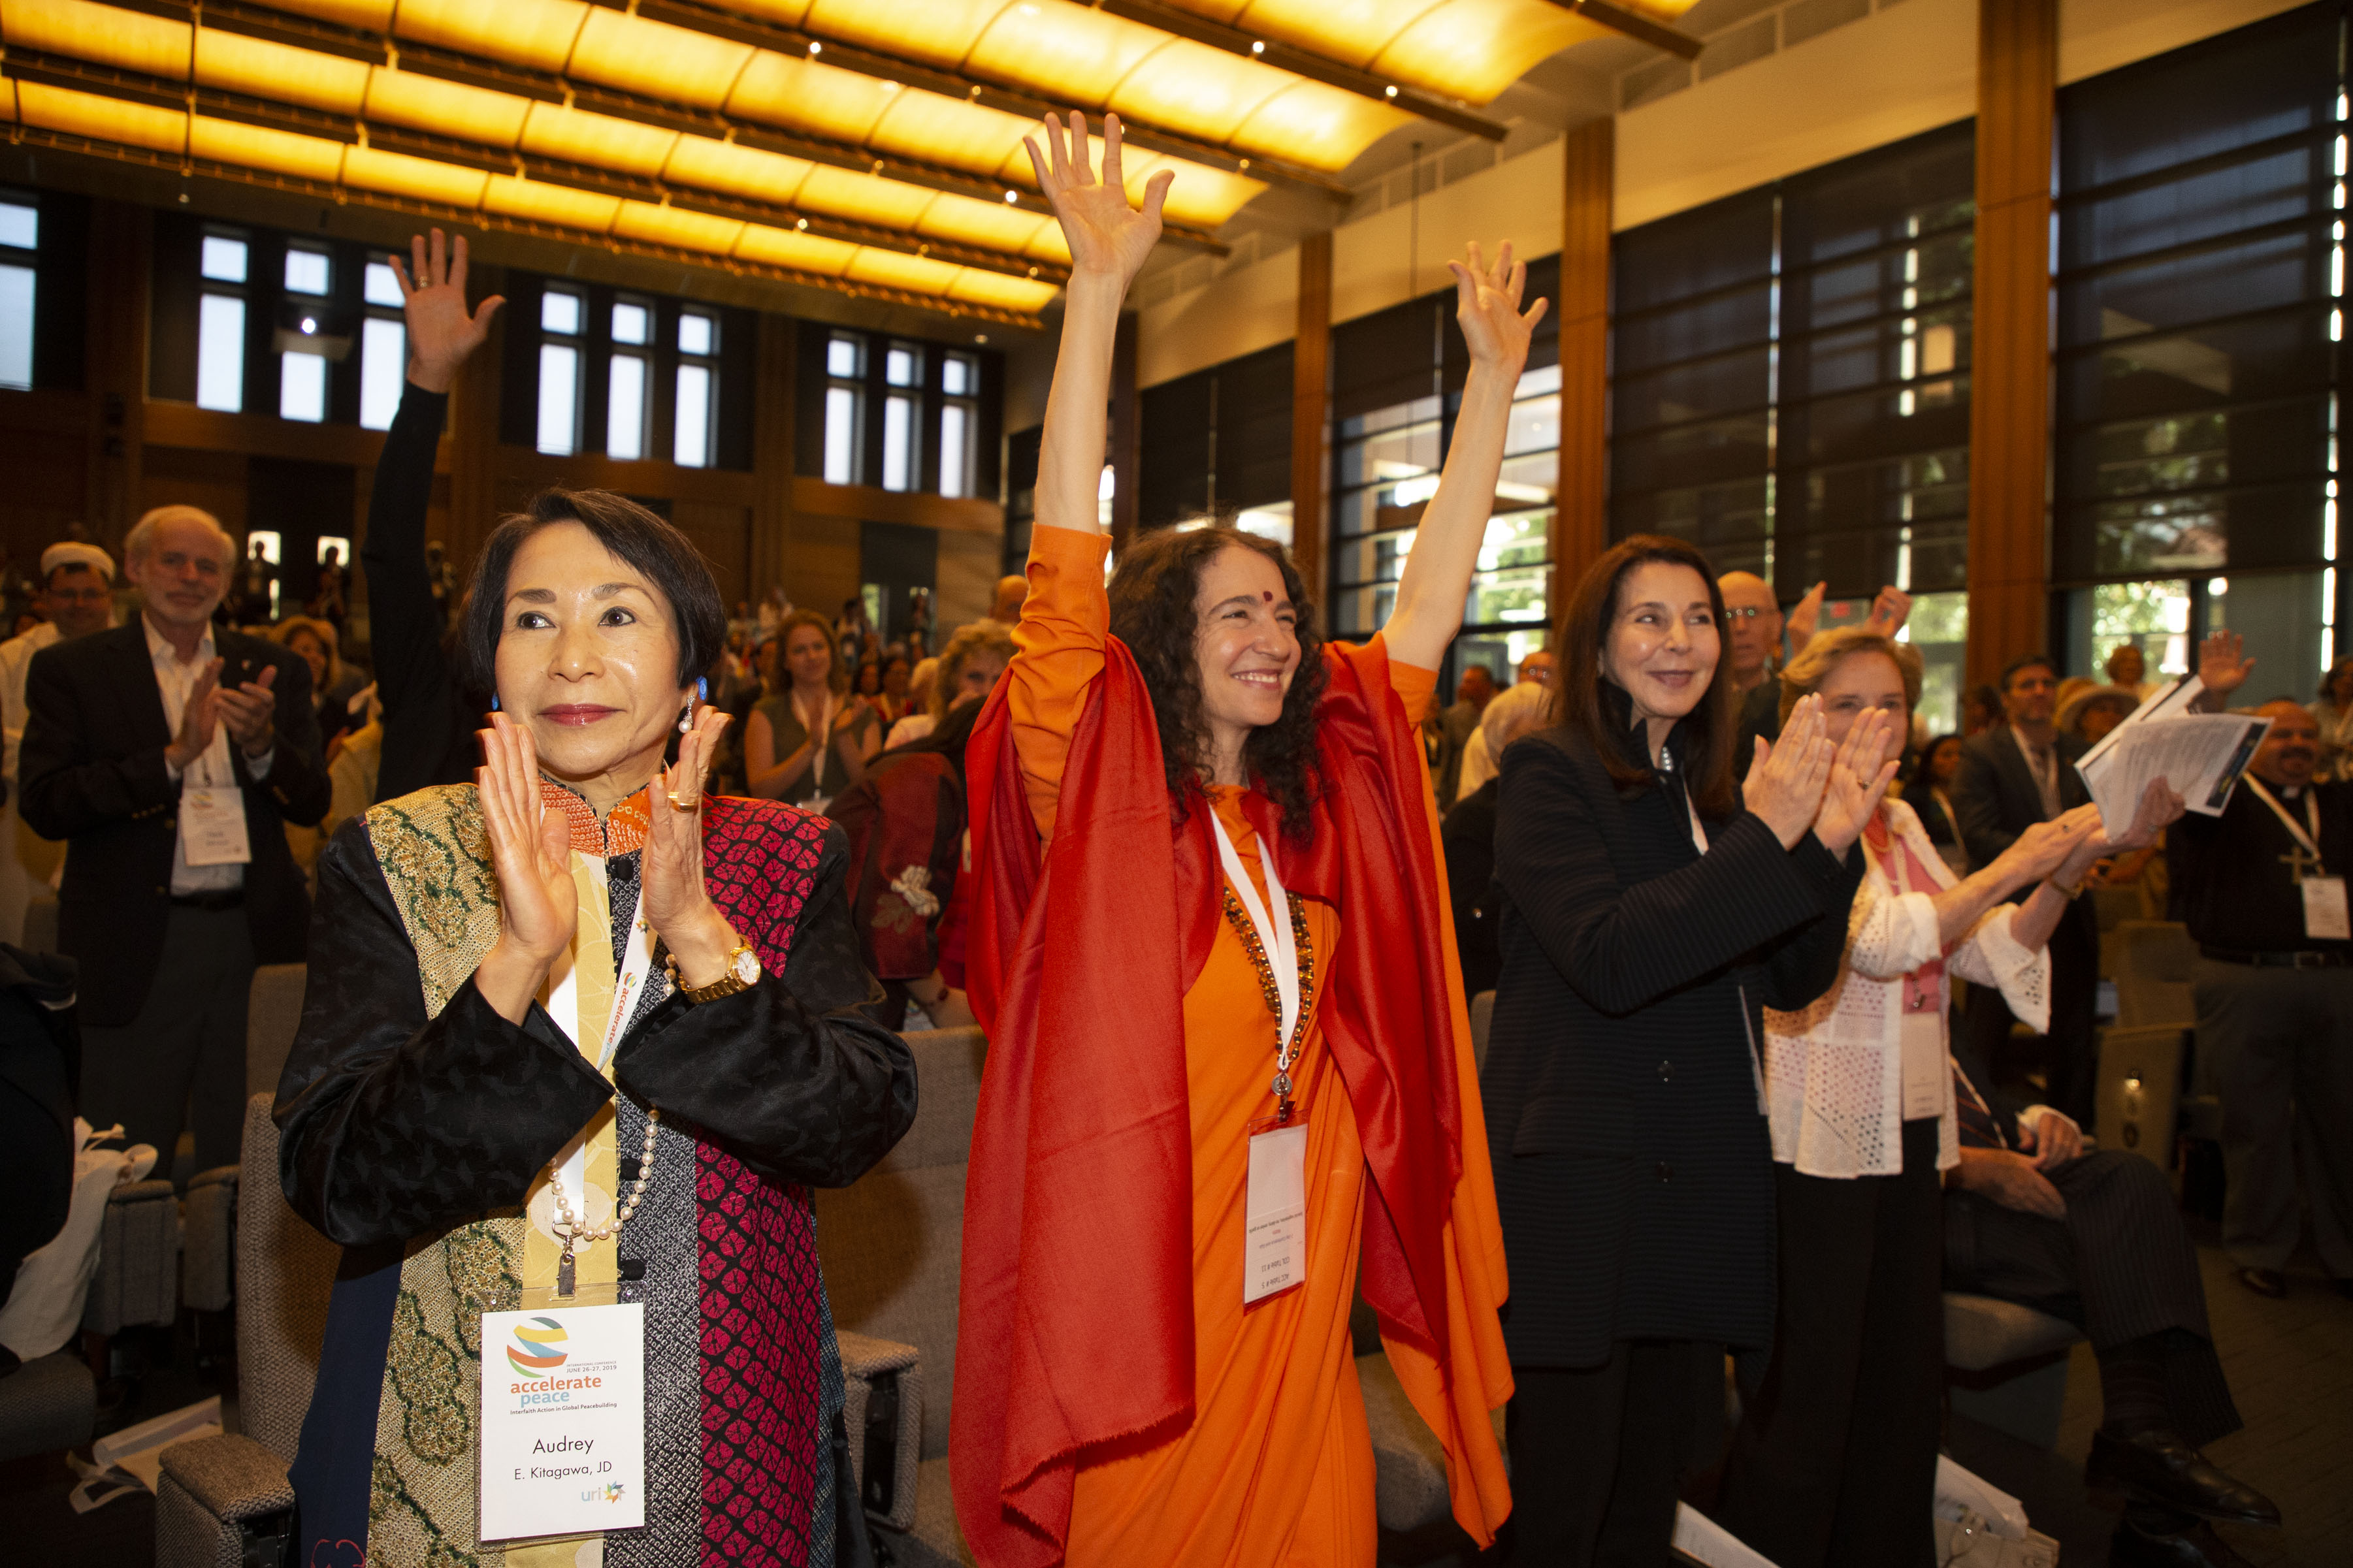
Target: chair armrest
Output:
[(884, 1410), (138, 1276), (232, 1477)]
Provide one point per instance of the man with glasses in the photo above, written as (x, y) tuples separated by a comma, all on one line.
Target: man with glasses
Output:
[(77, 598)]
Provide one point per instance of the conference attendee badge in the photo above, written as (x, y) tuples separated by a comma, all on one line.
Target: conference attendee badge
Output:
[(563, 1420), (1925, 1077), (1274, 1214), (2325, 915), (212, 826)]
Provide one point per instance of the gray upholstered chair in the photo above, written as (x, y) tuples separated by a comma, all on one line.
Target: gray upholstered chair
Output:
[(215, 1491), (2153, 966), (2006, 1365)]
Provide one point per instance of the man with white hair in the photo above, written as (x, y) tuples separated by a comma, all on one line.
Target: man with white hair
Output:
[(1481, 762), (170, 755), (77, 596)]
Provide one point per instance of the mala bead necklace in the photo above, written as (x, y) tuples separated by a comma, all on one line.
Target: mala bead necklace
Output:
[(573, 1231), (1286, 1052)]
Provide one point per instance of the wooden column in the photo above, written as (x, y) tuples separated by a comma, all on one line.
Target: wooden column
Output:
[(1580, 529), (469, 444), (122, 254), (1124, 434), (774, 451), (1311, 406), (2010, 435)]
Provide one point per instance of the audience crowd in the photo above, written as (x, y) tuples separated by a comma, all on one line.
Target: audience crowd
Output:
[(1796, 1005)]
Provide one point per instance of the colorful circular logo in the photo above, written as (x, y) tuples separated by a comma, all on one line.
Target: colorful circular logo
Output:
[(538, 1347)]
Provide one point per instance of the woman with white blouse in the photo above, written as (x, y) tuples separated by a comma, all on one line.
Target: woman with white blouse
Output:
[(1836, 1457)]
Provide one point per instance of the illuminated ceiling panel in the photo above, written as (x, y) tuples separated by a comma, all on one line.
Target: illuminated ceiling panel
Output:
[(536, 201), (965, 136), (236, 63), (939, 32), (227, 141), (801, 252), (445, 108), (632, 52), (534, 32), (599, 140), (1066, 52), (669, 225), (890, 270), (726, 166), (1003, 293), (983, 225), (840, 193), (131, 40), (101, 118), (838, 104), (422, 179), (1475, 48)]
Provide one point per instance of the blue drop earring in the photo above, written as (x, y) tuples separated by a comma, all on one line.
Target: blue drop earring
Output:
[(494, 702), (702, 694)]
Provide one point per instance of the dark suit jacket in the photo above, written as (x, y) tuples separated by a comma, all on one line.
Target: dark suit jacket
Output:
[(1467, 836), (1623, 1095), (93, 770), (1996, 795)]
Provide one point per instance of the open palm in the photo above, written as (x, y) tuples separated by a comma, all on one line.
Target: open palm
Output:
[(1487, 304), (442, 332), (1107, 236)]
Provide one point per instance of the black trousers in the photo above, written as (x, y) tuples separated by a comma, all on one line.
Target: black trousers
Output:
[(187, 1045), (1835, 1461), (2071, 1050), (1598, 1454), (2120, 1267)]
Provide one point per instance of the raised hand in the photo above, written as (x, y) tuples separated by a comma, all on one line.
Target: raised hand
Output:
[(1108, 238), (677, 904), (1889, 611), (250, 712), (1487, 304), (433, 293), (529, 853), (1786, 780), (2221, 665), (1859, 776), (198, 720), (1806, 616)]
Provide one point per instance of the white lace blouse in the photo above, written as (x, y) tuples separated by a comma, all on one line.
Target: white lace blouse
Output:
[(1833, 1071)]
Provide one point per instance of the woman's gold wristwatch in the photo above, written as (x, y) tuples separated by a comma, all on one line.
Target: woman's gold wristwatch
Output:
[(742, 972)]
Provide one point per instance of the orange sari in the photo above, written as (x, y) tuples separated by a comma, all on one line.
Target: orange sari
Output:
[(1275, 1468)]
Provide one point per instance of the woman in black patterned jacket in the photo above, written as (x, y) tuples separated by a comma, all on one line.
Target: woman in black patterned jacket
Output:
[(1649, 911)]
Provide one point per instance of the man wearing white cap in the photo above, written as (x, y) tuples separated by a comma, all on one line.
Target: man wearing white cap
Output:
[(77, 596)]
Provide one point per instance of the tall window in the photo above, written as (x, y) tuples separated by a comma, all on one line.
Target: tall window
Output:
[(697, 422), (2201, 303), (302, 366), (224, 262), (627, 410), (384, 347), (845, 406), (561, 315), (902, 368), (959, 423), (1790, 385), (20, 238)]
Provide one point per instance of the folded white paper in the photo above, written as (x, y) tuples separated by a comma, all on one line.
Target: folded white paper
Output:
[(2200, 755)]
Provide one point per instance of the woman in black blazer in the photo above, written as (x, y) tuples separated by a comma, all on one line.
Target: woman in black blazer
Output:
[(1649, 910)]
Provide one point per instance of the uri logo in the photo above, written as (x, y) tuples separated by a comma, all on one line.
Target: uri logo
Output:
[(538, 1347)]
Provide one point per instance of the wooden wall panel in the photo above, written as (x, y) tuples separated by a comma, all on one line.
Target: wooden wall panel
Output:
[(1311, 411), (2010, 437), (1582, 518)]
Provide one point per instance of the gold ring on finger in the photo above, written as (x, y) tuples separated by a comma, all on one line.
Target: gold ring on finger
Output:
[(685, 803)]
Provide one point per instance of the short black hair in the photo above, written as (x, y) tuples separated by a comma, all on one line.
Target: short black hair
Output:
[(658, 552), (2028, 661)]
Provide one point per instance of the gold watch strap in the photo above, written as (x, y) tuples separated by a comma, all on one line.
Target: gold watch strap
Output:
[(727, 984)]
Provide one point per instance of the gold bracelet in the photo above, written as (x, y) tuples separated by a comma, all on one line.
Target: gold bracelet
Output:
[(2070, 894)]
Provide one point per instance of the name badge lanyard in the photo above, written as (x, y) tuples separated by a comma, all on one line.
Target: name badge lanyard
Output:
[(1281, 949), (569, 1172), (2309, 842), (823, 735)]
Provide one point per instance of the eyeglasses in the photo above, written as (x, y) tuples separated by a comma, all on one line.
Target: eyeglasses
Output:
[(1742, 612)]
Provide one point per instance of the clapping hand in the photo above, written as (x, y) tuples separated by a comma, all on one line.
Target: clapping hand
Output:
[(199, 719), (1108, 238), (1487, 304), (1785, 781), (433, 293), (531, 853), (250, 712), (677, 904), (1860, 774), (2045, 846)]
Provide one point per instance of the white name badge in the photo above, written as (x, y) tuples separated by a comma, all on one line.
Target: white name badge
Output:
[(2325, 915), (1274, 1214), (1924, 1065), (563, 1421), (212, 826)]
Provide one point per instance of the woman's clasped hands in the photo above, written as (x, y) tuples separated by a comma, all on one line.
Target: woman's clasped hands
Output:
[(1808, 782)]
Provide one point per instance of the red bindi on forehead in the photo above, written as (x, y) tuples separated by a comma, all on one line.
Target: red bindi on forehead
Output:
[(1269, 597)]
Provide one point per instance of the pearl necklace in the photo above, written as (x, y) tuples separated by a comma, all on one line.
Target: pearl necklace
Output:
[(573, 1231)]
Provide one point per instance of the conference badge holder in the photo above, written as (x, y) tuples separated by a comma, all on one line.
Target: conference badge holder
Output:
[(212, 826), (1274, 1214), (562, 1436)]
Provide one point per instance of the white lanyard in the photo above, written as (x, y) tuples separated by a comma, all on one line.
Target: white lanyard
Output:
[(1275, 936), (562, 1005), (2310, 841)]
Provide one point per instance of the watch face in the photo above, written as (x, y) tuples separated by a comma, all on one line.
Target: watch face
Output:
[(747, 967)]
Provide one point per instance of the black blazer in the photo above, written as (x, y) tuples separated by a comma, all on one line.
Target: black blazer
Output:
[(93, 774), (1996, 795), (1468, 836), (1623, 1090)]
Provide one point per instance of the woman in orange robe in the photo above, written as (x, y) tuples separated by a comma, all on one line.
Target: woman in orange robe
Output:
[(1117, 1402)]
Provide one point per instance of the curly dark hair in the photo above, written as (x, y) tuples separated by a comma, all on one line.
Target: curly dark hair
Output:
[(1151, 611)]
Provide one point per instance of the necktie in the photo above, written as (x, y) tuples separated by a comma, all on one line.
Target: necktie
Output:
[(1978, 1130)]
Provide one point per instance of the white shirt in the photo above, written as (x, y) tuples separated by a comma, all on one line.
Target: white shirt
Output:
[(16, 663), (213, 770)]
